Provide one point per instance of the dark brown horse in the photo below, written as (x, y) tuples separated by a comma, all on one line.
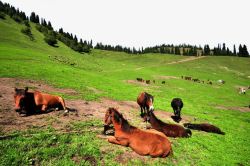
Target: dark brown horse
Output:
[(204, 127), (170, 130), (177, 105), (29, 102), (143, 142), (145, 101)]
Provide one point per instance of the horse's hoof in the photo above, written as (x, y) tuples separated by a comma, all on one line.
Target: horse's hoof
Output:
[(57, 109), (66, 111)]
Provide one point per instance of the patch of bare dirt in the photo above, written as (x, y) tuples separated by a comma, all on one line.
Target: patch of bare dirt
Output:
[(34, 85), (187, 59), (125, 157), (241, 109), (91, 159), (137, 82), (166, 117)]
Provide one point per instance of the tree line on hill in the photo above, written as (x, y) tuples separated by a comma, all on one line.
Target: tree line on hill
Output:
[(182, 49), (51, 36)]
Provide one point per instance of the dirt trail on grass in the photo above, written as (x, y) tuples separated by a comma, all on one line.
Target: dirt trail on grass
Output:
[(176, 62), (12, 121), (186, 60)]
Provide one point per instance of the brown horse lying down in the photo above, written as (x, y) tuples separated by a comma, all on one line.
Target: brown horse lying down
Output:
[(29, 102), (143, 142), (145, 101), (204, 127), (170, 130)]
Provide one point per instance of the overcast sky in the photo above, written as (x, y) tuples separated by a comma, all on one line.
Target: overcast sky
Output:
[(147, 22)]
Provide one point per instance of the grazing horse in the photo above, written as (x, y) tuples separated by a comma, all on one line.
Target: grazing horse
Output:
[(145, 101), (143, 142), (170, 130), (204, 127), (32, 101), (177, 105)]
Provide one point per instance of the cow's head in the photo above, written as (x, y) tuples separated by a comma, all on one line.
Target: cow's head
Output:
[(19, 97)]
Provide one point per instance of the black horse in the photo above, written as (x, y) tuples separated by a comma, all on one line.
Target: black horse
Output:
[(177, 105)]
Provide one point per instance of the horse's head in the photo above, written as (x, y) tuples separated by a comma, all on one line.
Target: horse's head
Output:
[(19, 98), (111, 115)]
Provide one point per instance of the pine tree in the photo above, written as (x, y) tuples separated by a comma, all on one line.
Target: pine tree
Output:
[(244, 51), (234, 53), (61, 30), (33, 17), (50, 26)]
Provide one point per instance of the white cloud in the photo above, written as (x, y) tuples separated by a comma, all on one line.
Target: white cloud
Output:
[(147, 22)]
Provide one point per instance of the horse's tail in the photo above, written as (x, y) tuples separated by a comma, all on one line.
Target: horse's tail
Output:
[(189, 132), (62, 102)]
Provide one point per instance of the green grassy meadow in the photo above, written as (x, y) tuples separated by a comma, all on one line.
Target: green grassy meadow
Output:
[(109, 73)]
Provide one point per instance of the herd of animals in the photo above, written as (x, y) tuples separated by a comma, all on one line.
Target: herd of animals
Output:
[(153, 141), (188, 78)]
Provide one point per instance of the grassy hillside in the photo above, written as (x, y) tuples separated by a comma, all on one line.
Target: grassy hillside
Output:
[(109, 73)]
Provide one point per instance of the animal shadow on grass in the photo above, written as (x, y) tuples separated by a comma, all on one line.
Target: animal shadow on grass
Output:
[(24, 113), (176, 118)]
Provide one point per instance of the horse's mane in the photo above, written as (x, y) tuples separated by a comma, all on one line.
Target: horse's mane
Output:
[(156, 119), (125, 126), (148, 97)]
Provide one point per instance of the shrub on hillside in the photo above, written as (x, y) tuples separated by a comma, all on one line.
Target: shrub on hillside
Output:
[(50, 38), (2, 15), (42, 29), (27, 31), (17, 18), (26, 23)]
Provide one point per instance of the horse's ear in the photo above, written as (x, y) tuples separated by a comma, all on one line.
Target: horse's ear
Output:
[(26, 89)]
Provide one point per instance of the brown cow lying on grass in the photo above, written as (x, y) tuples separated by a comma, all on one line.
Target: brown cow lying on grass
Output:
[(30, 102)]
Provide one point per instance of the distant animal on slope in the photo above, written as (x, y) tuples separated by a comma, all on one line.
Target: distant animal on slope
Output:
[(177, 105), (204, 127), (221, 81), (139, 79), (29, 102), (145, 101), (187, 78), (147, 81), (143, 142), (170, 130), (242, 91)]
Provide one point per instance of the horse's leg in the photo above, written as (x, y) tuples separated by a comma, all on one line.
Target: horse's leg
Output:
[(141, 111), (44, 108), (157, 151), (119, 141), (175, 113), (179, 114)]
